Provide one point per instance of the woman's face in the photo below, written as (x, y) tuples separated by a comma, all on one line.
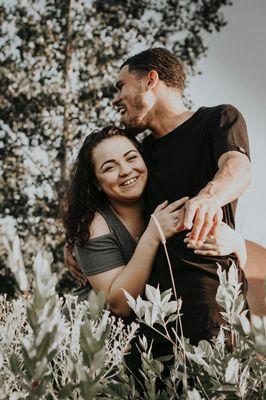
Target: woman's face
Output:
[(119, 169)]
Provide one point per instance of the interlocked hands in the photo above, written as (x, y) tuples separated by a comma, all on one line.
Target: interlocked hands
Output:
[(223, 243), (202, 215)]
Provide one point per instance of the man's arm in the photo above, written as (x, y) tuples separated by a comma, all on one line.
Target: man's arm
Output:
[(230, 181), (73, 266)]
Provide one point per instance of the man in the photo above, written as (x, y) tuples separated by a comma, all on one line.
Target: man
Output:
[(203, 155)]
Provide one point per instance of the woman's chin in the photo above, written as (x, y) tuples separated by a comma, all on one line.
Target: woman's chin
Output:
[(131, 197)]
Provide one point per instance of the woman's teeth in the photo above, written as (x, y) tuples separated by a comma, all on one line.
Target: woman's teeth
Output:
[(129, 181)]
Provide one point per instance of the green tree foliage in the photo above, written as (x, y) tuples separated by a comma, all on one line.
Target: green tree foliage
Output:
[(58, 61)]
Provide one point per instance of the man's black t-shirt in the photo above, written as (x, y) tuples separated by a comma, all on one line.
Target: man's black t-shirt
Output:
[(180, 164)]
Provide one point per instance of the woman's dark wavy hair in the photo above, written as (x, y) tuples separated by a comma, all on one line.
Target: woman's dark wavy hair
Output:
[(80, 203)]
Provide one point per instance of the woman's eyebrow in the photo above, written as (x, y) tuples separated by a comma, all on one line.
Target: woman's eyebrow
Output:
[(130, 152), (113, 160), (105, 162)]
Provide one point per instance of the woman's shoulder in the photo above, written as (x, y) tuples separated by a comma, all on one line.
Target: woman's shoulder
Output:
[(98, 226)]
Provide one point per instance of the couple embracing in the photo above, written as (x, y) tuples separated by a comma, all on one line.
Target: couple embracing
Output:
[(189, 172)]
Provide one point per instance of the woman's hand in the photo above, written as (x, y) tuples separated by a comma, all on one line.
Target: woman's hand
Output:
[(73, 267), (226, 241), (168, 217)]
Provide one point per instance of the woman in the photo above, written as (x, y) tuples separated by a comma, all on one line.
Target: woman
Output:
[(103, 218)]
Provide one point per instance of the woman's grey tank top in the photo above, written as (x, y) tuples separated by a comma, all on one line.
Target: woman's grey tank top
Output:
[(119, 238)]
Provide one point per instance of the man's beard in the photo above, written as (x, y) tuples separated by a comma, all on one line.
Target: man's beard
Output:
[(133, 131), (137, 124)]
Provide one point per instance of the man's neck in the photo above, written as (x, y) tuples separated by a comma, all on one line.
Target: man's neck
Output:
[(167, 115)]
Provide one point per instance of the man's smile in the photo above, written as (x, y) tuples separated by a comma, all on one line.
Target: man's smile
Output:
[(121, 109)]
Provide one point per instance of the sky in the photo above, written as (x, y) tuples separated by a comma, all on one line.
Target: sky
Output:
[(234, 73)]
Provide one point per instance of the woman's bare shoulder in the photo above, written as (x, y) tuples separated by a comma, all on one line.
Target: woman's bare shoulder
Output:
[(98, 226)]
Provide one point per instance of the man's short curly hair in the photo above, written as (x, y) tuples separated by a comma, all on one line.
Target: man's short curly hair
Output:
[(168, 66)]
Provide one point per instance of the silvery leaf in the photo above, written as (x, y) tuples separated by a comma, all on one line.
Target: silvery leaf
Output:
[(130, 300), (152, 294), (233, 275), (232, 371), (193, 395)]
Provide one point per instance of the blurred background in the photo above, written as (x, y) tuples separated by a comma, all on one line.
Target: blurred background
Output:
[(58, 63)]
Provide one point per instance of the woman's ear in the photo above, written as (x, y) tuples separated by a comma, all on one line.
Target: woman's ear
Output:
[(98, 187)]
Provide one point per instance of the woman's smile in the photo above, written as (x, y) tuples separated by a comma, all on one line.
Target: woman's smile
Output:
[(129, 182)]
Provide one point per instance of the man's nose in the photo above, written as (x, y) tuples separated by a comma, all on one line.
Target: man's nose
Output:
[(116, 100)]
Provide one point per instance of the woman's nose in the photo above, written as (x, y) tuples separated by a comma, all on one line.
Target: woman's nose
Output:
[(125, 169)]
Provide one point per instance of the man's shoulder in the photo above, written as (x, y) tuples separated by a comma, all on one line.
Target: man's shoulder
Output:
[(220, 115), (219, 109)]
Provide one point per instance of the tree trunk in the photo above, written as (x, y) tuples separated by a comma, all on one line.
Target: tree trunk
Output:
[(67, 134)]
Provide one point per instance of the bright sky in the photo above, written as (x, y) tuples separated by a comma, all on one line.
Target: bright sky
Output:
[(234, 72)]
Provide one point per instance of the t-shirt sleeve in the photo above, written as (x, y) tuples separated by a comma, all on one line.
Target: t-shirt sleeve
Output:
[(99, 255), (228, 131)]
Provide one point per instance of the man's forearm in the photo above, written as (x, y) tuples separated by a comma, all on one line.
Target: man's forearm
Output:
[(231, 180)]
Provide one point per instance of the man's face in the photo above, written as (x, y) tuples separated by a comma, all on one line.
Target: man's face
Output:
[(133, 100)]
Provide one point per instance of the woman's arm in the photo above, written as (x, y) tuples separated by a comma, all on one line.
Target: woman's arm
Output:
[(133, 276), (225, 242)]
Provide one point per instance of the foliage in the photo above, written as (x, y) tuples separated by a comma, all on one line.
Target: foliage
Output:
[(233, 367), (51, 350), (76, 351), (58, 61)]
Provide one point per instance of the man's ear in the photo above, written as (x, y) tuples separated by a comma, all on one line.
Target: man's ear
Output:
[(153, 79)]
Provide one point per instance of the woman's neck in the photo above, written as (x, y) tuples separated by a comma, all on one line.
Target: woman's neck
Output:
[(129, 210), (131, 215)]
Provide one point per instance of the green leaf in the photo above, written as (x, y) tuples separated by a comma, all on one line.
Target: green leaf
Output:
[(15, 364)]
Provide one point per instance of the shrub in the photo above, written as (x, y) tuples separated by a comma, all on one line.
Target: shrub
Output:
[(71, 350)]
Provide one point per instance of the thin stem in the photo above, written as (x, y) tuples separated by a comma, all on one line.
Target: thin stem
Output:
[(170, 270), (202, 388), (156, 330)]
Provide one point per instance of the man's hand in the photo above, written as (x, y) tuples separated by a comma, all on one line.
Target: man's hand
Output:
[(225, 242), (203, 215), (203, 212), (73, 267)]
